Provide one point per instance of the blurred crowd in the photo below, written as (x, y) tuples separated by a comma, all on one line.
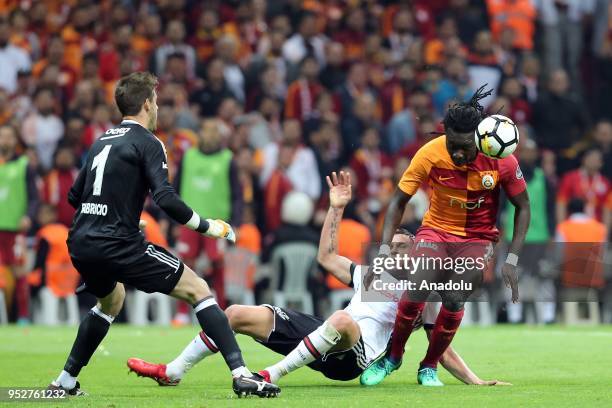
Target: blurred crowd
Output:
[(260, 100)]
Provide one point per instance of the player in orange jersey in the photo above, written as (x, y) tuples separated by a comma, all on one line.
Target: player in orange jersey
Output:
[(465, 190)]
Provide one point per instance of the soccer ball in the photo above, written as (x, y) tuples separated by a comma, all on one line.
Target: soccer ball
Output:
[(496, 136)]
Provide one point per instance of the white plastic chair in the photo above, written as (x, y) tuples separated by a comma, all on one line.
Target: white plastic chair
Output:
[(48, 310), (3, 312), (572, 298), (239, 262), (140, 304), (298, 260), (478, 311)]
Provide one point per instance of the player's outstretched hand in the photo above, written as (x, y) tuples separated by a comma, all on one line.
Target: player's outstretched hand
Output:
[(339, 189), (511, 280), (493, 382), (220, 229)]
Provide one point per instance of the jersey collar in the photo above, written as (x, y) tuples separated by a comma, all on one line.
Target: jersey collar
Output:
[(130, 122)]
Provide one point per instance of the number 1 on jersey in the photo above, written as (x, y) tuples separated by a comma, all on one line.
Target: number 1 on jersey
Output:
[(99, 162)]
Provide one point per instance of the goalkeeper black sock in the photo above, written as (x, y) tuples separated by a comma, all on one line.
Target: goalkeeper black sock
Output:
[(92, 330), (216, 326)]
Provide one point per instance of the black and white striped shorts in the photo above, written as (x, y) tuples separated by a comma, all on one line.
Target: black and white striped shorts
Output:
[(152, 269), (290, 328)]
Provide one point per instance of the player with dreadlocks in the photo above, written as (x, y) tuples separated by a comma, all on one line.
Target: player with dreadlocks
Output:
[(464, 188)]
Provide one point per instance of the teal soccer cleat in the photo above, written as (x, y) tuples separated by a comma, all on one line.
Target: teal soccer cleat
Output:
[(428, 377), (377, 372)]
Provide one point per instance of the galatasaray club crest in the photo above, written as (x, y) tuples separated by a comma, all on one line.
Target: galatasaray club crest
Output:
[(488, 181)]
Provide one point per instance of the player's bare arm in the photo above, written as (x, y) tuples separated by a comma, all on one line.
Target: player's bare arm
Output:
[(395, 211), (522, 217), (454, 364), (339, 197)]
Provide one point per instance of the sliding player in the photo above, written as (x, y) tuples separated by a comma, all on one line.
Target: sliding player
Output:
[(460, 222), (340, 347)]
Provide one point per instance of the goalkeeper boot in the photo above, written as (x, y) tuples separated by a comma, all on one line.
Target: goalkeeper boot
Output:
[(377, 372), (256, 384), (76, 391), (428, 377)]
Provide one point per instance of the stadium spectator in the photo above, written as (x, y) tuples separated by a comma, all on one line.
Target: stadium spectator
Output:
[(208, 182), (147, 35), (588, 184), (226, 49), (42, 129), (79, 38), (307, 41), (323, 112), (371, 166), (176, 139), (175, 43), (276, 188), (396, 92), (300, 165), (52, 266), (176, 73), (403, 35), (529, 77), (562, 23), (602, 136), (520, 110), (581, 234), (214, 91), (484, 65), (356, 84), (118, 48), (56, 184), (266, 127), (303, 92), (270, 52), (206, 35), (6, 110), (352, 35), (19, 200), (268, 85), (326, 145), (541, 228), (12, 59), (516, 16), (558, 117), (352, 127), (334, 72), (55, 56), (22, 36), (100, 123), (402, 128)]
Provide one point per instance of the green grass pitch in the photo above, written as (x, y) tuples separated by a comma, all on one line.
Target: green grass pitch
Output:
[(549, 366)]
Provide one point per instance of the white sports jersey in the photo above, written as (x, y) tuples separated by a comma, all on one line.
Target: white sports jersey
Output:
[(376, 319)]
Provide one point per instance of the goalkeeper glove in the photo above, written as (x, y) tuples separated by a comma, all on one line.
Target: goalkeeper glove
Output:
[(220, 229)]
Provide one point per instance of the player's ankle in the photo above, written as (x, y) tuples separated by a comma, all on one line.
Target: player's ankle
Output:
[(241, 371), (66, 380), (174, 371), (394, 358), (274, 374), (424, 365)]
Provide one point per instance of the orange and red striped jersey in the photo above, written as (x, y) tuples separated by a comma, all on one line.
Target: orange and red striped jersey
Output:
[(464, 200)]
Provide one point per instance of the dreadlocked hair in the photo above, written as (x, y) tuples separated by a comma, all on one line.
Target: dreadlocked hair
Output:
[(465, 116)]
